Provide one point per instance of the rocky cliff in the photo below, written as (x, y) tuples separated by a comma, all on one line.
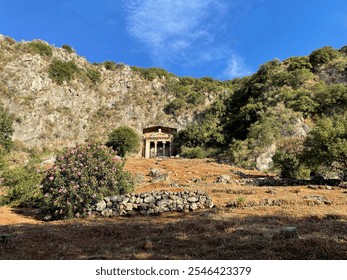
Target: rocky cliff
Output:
[(54, 114)]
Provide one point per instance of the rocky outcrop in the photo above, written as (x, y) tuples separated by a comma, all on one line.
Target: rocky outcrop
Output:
[(53, 115), (264, 161), (152, 203)]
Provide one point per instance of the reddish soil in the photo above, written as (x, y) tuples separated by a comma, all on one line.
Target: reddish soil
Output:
[(218, 233)]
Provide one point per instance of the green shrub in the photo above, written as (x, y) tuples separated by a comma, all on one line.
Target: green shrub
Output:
[(93, 75), (41, 48), (23, 185), (174, 106), (150, 74), (298, 62), (80, 177), (241, 153), (68, 48), (124, 140), (110, 65), (195, 98), (326, 145), (60, 71), (196, 152), (343, 50), (6, 129), (303, 103), (287, 163)]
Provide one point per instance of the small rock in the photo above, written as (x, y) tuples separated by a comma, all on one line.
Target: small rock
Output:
[(327, 202), (208, 203), (149, 199), (142, 207), (195, 180), (128, 207), (193, 207), (271, 191), (223, 179), (101, 205), (48, 217), (193, 199), (314, 199), (154, 172), (114, 198), (109, 204), (107, 213)]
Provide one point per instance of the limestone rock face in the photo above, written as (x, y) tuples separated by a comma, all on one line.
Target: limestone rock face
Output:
[(264, 161), (48, 114)]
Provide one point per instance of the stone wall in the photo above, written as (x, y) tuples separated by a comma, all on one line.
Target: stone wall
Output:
[(153, 203), (271, 181)]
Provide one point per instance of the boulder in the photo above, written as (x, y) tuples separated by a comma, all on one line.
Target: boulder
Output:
[(100, 206), (149, 199), (192, 199), (223, 179), (107, 212), (264, 161)]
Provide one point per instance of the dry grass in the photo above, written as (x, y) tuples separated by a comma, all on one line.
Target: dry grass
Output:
[(219, 233)]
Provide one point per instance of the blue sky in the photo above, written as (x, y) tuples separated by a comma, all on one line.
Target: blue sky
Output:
[(222, 39)]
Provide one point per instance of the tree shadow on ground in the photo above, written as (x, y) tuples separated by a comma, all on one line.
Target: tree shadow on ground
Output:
[(213, 234)]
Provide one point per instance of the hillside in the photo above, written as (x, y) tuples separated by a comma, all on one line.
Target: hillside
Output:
[(58, 98), (250, 230), (271, 113)]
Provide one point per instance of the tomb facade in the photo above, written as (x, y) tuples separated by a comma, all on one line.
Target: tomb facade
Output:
[(157, 141)]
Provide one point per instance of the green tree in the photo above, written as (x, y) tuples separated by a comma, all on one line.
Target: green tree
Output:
[(123, 140), (323, 55), (287, 158), (6, 129), (326, 145)]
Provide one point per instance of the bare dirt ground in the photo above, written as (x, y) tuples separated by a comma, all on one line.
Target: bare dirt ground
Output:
[(244, 232)]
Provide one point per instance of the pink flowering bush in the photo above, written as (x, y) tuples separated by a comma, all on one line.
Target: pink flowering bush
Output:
[(80, 177)]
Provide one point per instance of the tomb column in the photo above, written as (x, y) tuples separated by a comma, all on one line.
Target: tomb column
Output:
[(164, 148), (155, 148), (147, 148)]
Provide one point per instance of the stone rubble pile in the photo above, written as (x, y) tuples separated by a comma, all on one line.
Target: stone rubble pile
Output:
[(317, 200), (157, 175), (153, 203), (262, 202)]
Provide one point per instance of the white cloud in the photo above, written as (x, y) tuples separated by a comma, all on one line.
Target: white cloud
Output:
[(174, 30), (236, 67)]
